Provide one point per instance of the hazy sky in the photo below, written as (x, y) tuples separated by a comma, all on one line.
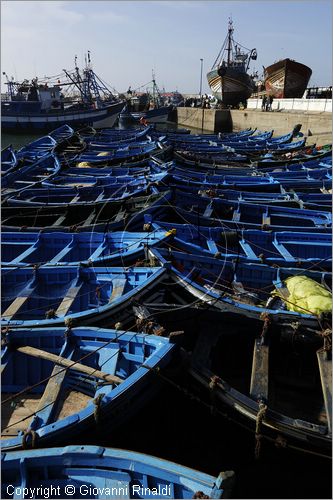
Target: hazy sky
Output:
[(129, 39)]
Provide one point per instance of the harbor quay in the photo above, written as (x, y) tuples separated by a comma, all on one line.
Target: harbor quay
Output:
[(316, 125)]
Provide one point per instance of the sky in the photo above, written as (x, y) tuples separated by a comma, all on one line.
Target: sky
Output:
[(129, 39)]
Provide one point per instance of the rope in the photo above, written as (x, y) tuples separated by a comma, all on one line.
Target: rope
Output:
[(200, 494), (258, 436), (97, 411), (327, 338), (33, 435)]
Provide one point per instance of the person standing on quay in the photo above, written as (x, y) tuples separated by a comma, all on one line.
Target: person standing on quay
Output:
[(264, 101)]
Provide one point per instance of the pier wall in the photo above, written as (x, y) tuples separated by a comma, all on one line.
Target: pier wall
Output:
[(316, 126), (207, 120)]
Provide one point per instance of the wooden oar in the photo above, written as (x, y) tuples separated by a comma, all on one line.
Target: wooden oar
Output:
[(58, 360)]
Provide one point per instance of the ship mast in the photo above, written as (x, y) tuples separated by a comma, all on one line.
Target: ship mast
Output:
[(230, 30)]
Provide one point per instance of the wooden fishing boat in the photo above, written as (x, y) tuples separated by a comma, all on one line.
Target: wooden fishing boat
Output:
[(204, 211), (286, 79), (312, 179), (112, 216), (8, 160), (272, 159), (239, 147), (228, 77), (69, 148), (144, 167), (116, 155), (312, 201), (95, 195), (36, 149), (59, 382), (60, 249), (286, 249), (277, 385), (112, 472), (78, 181), (218, 139), (238, 288), (49, 296), (29, 175), (62, 133)]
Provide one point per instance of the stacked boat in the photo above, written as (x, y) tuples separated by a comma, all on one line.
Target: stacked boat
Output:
[(95, 222)]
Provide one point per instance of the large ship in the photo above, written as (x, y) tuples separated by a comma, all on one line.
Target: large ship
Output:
[(286, 79), (228, 79), (42, 105)]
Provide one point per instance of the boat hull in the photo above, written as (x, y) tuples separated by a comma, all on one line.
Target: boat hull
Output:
[(232, 87), (118, 403), (287, 79), (22, 122), (159, 115), (97, 467)]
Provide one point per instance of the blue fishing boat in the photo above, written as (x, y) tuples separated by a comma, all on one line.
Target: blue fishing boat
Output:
[(312, 201), (268, 160), (250, 168), (29, 175), (298, 180), (49, 296), (112, 216), (59, 382), (233, 215), (81, 196), (202, 181), (130, 152), (238, 288), (60, 249), (108, 471), (287, 249), (40, 106), (8, 159), (132, 178), (62, 133), (36, 149), (147, 167)]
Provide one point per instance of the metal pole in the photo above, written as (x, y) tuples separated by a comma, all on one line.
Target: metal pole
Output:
[(201, 79)]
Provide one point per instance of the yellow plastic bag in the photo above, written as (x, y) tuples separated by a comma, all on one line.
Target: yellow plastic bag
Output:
[(305, 296)]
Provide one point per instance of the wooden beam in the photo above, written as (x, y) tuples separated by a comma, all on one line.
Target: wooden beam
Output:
[(68, 300), (325, 370), (66, 363), (51, 393), (14, 307), (118, 287), (259, 376)]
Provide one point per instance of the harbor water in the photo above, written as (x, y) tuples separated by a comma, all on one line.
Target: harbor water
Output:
[(179, 425)]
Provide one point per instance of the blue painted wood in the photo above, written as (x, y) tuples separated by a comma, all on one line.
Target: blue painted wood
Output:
[(127, 472), (9, 159), (49, 249), (112, 216), (101, 349), (83, 294), (235, 286), (306, 250), (192, 208)]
